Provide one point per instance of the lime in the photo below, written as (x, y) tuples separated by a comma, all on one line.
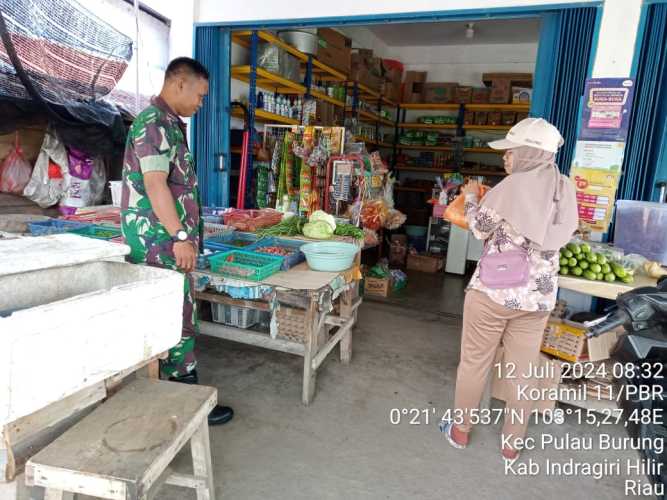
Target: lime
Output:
[(585, 248), (564, 261), (572, 262), (577, 271), (590, 275), (584, 264), (628, 279), (592, 258), (610, 277), (574, 248), (606, 268), (564, 271), (596, 268), (602, 260), (567, 254), (600, 277)]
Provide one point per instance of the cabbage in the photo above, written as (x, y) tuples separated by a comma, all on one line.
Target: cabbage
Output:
[(321, 215), (318, 230)]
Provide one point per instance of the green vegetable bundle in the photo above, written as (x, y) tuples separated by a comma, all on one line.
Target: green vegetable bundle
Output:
[(580, 261), (350, 231), (291, 226)]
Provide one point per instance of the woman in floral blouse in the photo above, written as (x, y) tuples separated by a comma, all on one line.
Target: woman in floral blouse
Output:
[(523, 222)]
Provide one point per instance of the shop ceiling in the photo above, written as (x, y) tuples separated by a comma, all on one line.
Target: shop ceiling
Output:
[(485, 32)]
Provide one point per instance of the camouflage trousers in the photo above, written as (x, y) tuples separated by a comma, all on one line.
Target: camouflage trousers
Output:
[(181, 360)]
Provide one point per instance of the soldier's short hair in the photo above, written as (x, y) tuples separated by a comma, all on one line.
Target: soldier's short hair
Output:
[(186, 65)]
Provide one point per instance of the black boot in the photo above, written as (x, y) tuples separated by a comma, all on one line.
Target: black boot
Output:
[(220, 414)]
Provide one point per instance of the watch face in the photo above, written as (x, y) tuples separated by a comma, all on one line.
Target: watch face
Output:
[(182, 235)]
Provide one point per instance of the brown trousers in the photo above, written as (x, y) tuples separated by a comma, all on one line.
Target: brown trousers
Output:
[(485, 325)]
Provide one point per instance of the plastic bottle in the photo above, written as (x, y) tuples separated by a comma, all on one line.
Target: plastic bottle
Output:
[(260, 100)]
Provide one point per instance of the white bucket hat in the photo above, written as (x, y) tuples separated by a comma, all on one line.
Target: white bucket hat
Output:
[(533, 132)]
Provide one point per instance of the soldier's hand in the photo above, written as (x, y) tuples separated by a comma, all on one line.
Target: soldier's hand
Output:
[(186, 256)]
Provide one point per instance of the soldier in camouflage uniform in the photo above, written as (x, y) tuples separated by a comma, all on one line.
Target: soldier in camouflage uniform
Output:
[(160, 215)]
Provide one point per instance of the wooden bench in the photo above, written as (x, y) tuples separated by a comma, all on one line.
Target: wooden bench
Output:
[(123, 449)]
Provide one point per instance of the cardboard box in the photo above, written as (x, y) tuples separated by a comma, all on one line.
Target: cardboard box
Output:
[(363, 75), (463, 95), (552, 368), (413, 87), (439, 93), (393, 75), (469, 118), (379, 287), (391, 90), (425, 263), (516, 79), (501, 92), (495, 118), (481, 117), (567, 340), (334, 49), (521, 95), (333, 38), (480, 95)]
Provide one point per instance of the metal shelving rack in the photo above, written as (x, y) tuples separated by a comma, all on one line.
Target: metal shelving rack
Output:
[(260, 78)]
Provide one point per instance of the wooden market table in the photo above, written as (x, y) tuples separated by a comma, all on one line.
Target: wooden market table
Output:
[(603, 289), (319, 301)]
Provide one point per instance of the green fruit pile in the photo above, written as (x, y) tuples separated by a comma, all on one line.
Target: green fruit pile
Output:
[(581, 261)]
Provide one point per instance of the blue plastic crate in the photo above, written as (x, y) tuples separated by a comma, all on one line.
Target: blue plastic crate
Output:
[(231, 241), (290, 261), (54, 226)]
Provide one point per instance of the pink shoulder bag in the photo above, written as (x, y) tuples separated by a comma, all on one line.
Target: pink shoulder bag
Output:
[(510, 269)]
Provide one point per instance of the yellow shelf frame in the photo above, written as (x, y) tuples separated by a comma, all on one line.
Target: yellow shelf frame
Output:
[(484, 150), (502, 128), (368, 116), (427, 126), (268, 80), (433, 107), (498, 107), (266, 117)]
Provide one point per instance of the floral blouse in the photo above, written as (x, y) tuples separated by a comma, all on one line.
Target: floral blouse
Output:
[(540, 292)]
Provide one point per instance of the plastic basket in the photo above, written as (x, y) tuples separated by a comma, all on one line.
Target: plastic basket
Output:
[(98, 232), (240, 317), (211, 230), (231, 241), (296, 257), (245, 265), (54, 226)]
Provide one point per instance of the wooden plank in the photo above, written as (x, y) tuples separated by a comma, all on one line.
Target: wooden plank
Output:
[(201, 461), (250, 338), (226, 300), (131, 439), (76, 482), (186, 481), (311, 348), (28, 435), (349, 305), (434, 107), (112, 383), (342, 332)]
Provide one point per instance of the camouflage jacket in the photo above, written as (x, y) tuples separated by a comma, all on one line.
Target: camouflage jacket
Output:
[(157, 142)]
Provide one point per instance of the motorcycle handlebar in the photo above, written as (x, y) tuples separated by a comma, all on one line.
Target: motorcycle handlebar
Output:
[(618, 318)]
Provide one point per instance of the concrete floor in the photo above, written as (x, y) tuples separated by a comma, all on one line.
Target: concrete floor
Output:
[(343, 446)]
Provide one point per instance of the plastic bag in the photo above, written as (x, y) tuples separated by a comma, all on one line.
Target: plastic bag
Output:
[(79, 192), (455, 211), (50, 176), (15, 171)]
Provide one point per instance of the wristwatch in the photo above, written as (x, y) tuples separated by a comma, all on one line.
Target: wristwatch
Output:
[(180, 236)]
